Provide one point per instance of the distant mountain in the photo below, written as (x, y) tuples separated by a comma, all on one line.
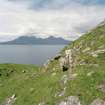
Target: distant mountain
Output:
[(33, 40)]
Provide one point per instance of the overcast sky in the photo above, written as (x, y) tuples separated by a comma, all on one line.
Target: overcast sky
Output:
[(61, 18)]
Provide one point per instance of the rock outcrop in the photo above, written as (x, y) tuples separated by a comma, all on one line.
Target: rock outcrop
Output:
[(67, 62), (95, 53)]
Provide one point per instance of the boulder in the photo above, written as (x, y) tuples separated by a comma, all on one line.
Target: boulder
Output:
[(71, 100), (67, 62)]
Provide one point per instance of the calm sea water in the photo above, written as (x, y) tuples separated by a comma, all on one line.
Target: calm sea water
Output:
[(28, 54)]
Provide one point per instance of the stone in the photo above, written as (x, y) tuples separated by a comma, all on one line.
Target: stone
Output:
[(42, 103), (82, 62), (23, 71), (62, 103), (10, 101), (13, 96), (61, 93), (90, 73), (95, 53), (71, 100), (64, 79), (98, 102), (46, 64), (86, 49), (62, 62), (101, 87)]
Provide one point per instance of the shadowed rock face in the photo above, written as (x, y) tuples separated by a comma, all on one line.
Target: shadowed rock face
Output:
[(67, 62)]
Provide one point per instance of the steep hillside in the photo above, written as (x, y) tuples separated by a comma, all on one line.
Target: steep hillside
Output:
[(84, 62), (74, 77)]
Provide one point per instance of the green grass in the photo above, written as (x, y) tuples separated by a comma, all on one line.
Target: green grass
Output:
[(85, 86), (33, 85), (30, 87)]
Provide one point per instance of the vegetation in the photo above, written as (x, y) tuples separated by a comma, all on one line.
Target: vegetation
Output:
[(33, 85), (28, 84)]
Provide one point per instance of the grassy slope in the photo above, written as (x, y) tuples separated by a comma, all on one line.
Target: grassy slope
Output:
[(31, 87), (83, 85), (35, 86)]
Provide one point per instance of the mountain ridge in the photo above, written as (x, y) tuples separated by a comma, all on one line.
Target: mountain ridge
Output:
[(34, 40)]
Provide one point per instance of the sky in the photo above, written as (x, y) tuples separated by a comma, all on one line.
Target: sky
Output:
[(68, 19)]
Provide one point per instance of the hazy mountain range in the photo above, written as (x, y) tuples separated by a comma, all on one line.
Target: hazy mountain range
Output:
[(34, 40)]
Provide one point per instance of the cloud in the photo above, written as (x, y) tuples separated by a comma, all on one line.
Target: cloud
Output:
[(56, 4), (42, 18)]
